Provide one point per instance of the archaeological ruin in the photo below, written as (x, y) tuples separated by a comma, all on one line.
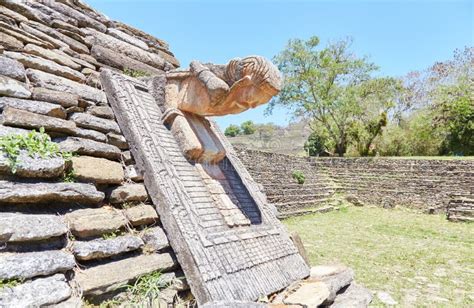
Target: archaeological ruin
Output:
[(112, 172)]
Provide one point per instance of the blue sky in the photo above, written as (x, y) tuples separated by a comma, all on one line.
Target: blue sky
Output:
[(399, 36)]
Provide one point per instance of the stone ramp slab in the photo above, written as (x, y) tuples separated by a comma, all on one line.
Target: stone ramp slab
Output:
[(220, 263)]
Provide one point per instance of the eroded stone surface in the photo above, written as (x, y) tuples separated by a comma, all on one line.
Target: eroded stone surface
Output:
[(7, 130), (45, 65), (14, 88), (355, 296), (309, 294), (38, 107), (26, 119), (52, 82), (27, 227), (92, 122), (103, 248), (155, 239), (92, 222), (16, 192), (88, 147), (12, 68), (90, 134), (142, 214), (64, 99), (110, 276), (55, 56), (127, 38), (132, 173), (117, 140), (33, 166), (128, 193), (97, 170), (32, 264), (101, 112), (36, 293)]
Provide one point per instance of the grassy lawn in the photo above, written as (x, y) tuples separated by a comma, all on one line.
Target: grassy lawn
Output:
[(421, 260)]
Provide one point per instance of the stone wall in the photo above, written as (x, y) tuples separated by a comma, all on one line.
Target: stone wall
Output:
[(61, 240), (423, 184)]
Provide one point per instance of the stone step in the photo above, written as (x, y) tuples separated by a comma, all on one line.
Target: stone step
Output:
[(286, 214), (44, 108), (300, 204), (12, 87), (88, 147), (155, 239), (23, 227), (18, 192), (33, 166), (94, 222), (111, 276), (36, 293), (128, 193), (92, 122), (97, 170), (104, 248), (142, 214), (33, 264)]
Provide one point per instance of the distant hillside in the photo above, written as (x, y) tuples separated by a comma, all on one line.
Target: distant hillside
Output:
[(284, 140)]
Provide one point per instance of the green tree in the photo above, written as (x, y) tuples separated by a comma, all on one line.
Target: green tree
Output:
[(248, 127), (315, 144), (232, 130), (331, 86)]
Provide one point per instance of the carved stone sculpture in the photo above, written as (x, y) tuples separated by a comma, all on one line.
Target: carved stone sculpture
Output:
[(211, 90), (227, 238)]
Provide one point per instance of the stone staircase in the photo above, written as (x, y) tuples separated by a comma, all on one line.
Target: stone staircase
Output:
[(62, 242), (422, 184), (274, 173)]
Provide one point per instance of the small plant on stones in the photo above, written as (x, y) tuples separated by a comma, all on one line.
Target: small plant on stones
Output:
[(9, 283), (135, 73), (298, 175), (69, 176), (147, 288), (34, 143)]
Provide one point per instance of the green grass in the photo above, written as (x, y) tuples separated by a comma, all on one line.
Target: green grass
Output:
[(421, 260)]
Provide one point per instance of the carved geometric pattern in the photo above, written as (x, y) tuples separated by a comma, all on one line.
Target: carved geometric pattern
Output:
[(220, 262)]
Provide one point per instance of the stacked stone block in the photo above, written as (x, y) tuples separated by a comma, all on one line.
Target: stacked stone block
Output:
[(63, 240), (426, 184)]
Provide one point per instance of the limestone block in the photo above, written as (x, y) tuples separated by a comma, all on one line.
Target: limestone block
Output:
[(26, 10), (97, 170), (72, 43), (82, 19), (12, 14), (120, 61), (88, 147), (52, 82), (32, 264), (41, 35), (97, 38), (93, 222), (38, 107), (52, 14), (110, 276), (127, 157), (12, 68), (55, 56), (155, 239), (64, 99), (354, 296), (89, 121), (21, 35), (25, 119), (309, 294), (128, 193), (7, 130), (36, 293), (45, 65), (127, 38), (117, 140), (27, 227), (16, 192), (33, 166), (104, 248), (12, 87), (60, 24), (132, 173), (10, 42), (90, 134), (101, 112), (335, 277), (143, 214)]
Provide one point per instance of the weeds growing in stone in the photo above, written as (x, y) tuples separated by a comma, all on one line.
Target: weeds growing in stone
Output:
[(9, 283), (147, 288), (34, 143), (298, 175), (135, 73)]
